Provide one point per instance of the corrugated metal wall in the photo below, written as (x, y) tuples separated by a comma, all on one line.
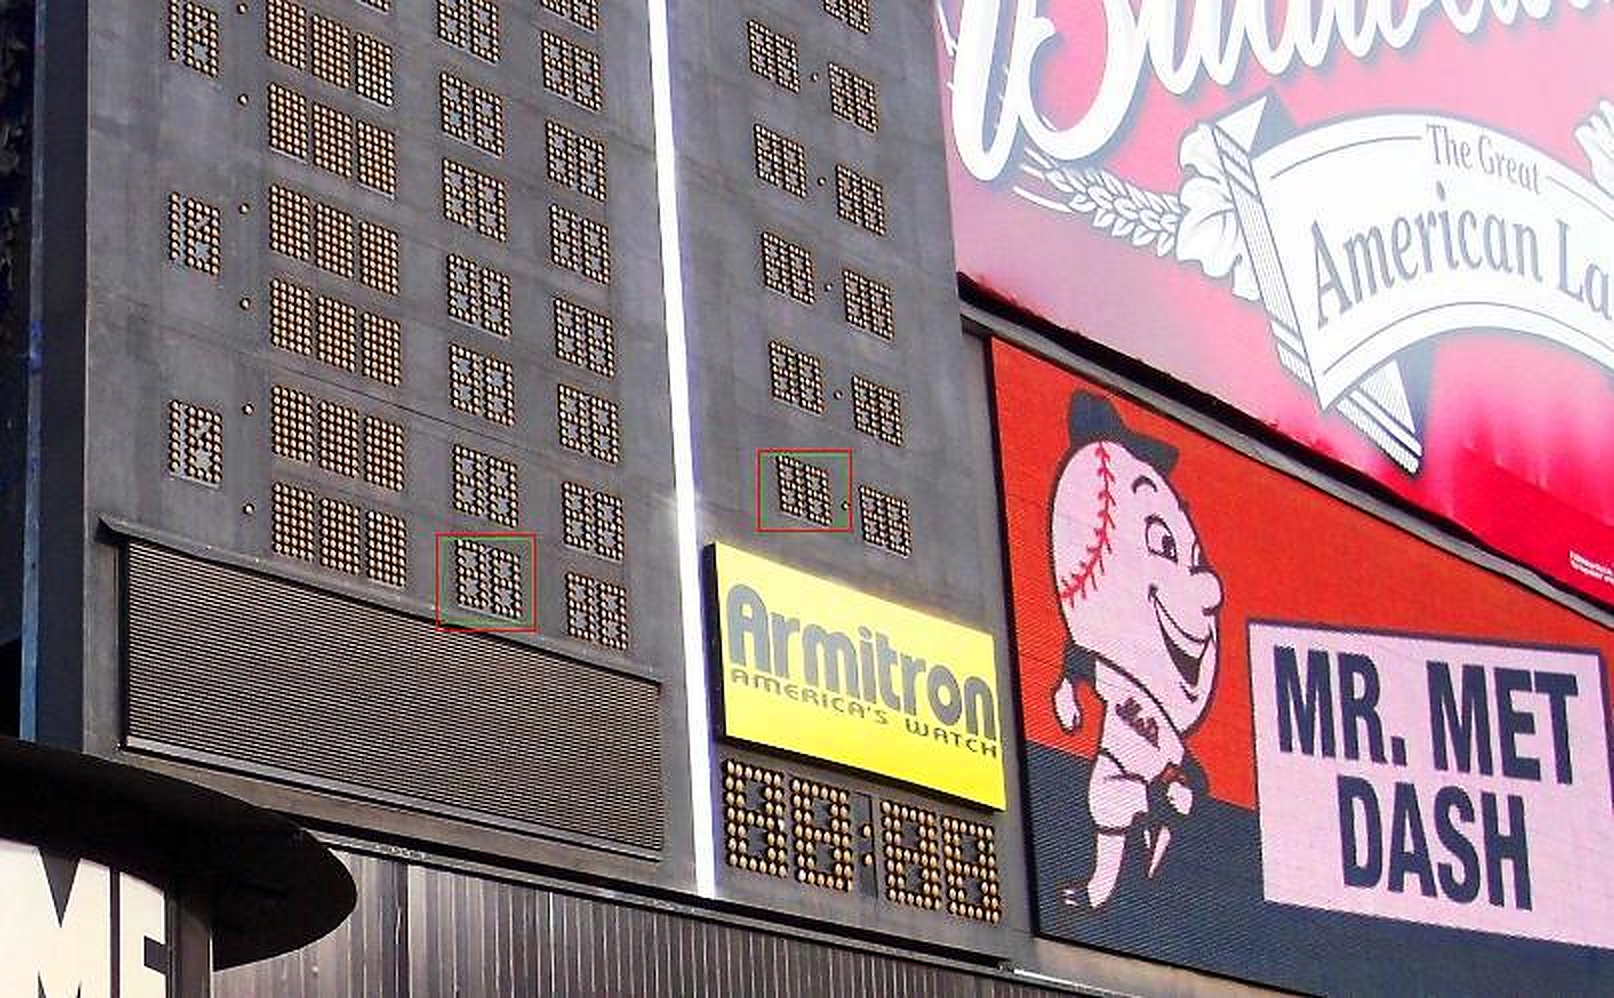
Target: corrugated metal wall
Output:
[(430, 933), (364, 956)]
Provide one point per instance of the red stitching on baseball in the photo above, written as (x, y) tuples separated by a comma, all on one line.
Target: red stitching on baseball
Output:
[(1087, 573)]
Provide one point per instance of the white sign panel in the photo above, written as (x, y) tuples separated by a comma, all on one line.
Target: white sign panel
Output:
[(90, 932), (1445, 782)]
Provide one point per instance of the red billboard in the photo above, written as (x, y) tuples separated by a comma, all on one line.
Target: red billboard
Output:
[(1386, 230), (1271, 736)]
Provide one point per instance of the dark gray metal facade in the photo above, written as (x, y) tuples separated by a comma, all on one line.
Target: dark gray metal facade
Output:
[(786, 113), (360, 275)]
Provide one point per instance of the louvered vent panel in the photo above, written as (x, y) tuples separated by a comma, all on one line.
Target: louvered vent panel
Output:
[(271, 674)]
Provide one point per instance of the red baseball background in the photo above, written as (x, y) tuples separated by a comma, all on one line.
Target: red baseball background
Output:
[(1283, 550)]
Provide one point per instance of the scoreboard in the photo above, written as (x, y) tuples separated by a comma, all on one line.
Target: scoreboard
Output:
[(821, 310), (375, 370), (544, 434), (383, 404)]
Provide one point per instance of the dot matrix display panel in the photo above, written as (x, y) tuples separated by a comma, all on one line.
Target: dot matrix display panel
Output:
[(373, 272), (414, 205), (823, 318)]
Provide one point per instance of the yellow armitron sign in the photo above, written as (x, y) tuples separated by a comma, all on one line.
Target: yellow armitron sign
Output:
[(824, 670)]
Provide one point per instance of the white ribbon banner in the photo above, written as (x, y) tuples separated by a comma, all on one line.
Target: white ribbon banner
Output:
[(1372, 234)]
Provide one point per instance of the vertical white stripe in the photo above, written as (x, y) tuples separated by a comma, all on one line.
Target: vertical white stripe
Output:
[(672, 277)]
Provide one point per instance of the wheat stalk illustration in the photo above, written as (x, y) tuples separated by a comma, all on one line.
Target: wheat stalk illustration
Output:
[(1111, 204)]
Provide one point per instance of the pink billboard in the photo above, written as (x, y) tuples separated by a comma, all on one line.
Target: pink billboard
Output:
[(1385, 230)]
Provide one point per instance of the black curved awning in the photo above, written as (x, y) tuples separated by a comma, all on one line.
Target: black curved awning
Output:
[(269, 886)]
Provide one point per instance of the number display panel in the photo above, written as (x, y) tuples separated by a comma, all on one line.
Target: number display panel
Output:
[(823, 332), (393, 279), (415, 205), (336, 326)]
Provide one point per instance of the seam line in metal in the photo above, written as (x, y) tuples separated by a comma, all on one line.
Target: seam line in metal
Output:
[(697, 720)]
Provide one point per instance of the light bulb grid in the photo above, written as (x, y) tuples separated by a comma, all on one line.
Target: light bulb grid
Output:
[(755, 819), (597, 611), (885, 520), (341, 432), (292, 427), (583, 13), (589, 424), (773, 56), (331, 55), (485, 486), (340, 536), (475, 200), (877, 410), (804, 490), (855, 14), (787, 268), (854, 98), (868, 304), (383, 349), (572, 71), (796, 377), (477, 295), (969, 861), (585, 338), (825, 854), (575, 161), (488, 578), (471, 114), (195, 443), (195, 234), (592, 521), (913, 867), (387, 546), (193, 36), (470, 25), (860, 200), (579, 244), (481, 385)]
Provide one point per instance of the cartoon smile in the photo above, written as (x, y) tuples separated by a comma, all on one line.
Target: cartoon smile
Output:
[(1187, 650)]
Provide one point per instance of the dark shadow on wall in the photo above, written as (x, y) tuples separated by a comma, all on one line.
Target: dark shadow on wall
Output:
[(16, 151), (10, 687)]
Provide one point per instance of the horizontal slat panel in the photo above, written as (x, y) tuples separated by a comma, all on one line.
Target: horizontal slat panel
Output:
[(275, 674), (443, 932)]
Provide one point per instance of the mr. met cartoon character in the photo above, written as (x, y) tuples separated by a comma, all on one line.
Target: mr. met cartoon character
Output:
[(1140, 604)]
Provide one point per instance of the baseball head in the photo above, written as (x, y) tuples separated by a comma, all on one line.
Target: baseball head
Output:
[(1133, 583)]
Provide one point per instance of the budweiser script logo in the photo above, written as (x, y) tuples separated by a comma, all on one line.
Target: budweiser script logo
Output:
[(1360, 237)]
